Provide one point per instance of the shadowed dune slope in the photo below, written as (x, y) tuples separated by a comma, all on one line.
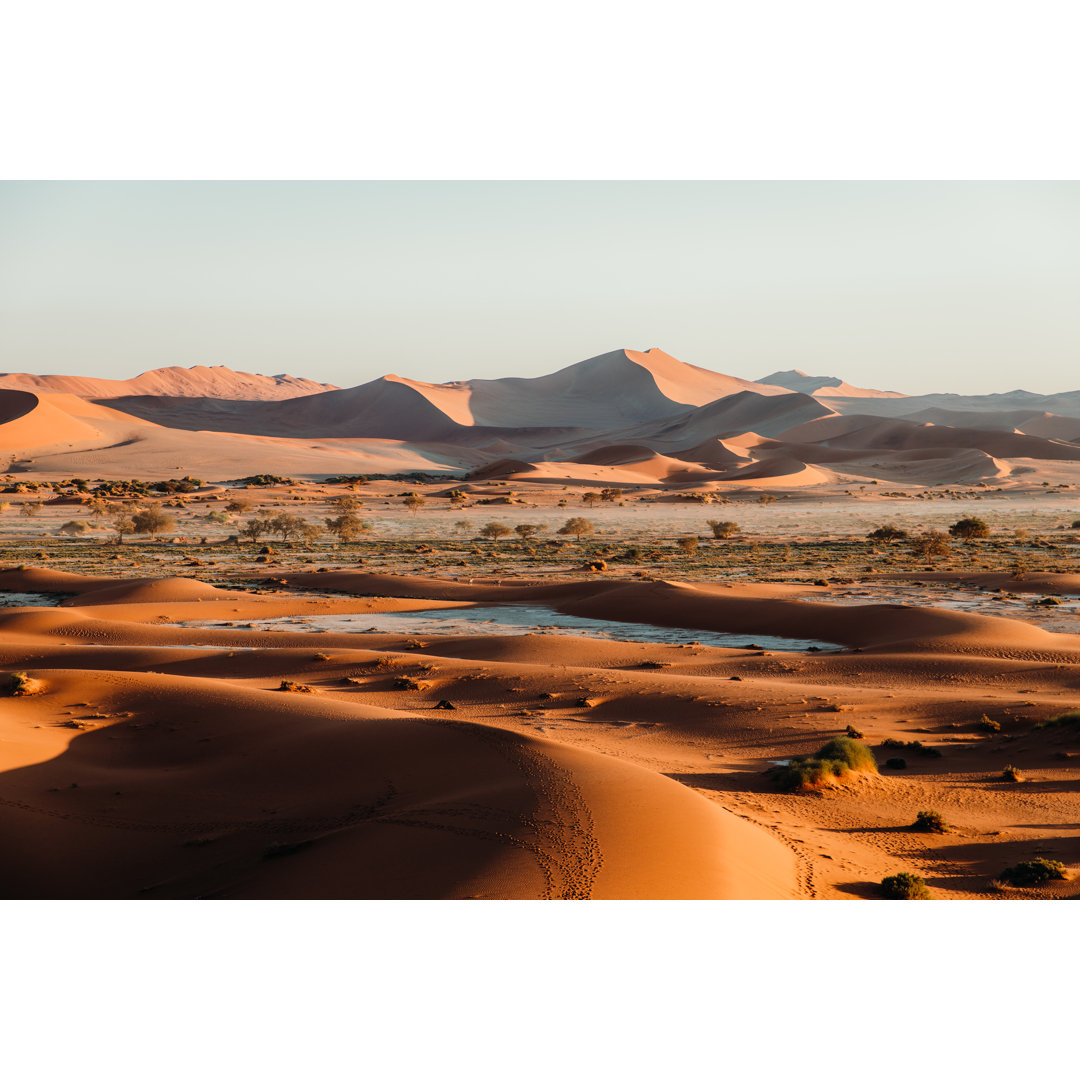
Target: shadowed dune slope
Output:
[(347, 802)]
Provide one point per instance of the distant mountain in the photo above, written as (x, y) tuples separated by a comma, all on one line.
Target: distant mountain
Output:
[(621, 418), (194, 382), (822, 385)]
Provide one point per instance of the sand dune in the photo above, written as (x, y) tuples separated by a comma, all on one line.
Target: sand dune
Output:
[(199, 381)]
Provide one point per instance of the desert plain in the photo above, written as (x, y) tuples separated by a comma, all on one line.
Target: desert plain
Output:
[(556, 638)]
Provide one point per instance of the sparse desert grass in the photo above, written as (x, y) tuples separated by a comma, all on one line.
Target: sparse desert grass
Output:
[(904, 886), (984, 723), (1012, 775), (930, 821), (1070, 719), (835, 759), (1034, 872)]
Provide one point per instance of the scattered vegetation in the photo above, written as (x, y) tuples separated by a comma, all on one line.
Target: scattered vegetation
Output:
[(904, 886), (1012, 775)]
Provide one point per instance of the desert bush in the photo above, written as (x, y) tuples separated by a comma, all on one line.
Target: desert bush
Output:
[(19, 684), (896, 763), (1065, 719), (904, 886), (931, 543), (969, 528), (886, 534), (413, 502), (591, 498), (687, 544), (984, 723), (722, 530), (930, 821), (836, 758), (1033, 872), (1012, 774), (527, 530), (291, 687), (74, 528)]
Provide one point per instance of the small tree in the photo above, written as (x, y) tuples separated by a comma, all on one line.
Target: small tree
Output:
[(611, 494), (526, 530), (122, 524), (348, 503), (287, 526), (970, 528), (97, 506), (495, 530), (255, 528), (348, 527), (591, 498), (30, 509), (153, 520), (577, 526), (413, 502), (721, 530), (765, 498), (688, 544)]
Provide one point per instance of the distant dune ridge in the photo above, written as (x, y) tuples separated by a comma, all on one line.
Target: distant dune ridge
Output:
[(624, 417)]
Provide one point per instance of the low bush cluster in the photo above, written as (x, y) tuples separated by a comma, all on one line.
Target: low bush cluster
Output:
[(835, 759)]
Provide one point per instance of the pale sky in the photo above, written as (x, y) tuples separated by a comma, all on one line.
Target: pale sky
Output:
[(921, 287)]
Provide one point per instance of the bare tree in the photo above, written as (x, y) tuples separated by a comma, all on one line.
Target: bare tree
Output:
[(122, 524)]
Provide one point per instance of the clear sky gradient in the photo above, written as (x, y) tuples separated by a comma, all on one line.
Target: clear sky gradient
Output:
[(917, 287)]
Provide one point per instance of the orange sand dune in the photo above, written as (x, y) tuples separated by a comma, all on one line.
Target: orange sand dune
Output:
[(162, 802), (28, 421), (198, 381)]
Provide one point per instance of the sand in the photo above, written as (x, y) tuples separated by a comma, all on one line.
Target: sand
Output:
[(569, 768)]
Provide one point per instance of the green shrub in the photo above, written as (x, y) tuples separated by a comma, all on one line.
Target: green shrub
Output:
[(1012, 774), (836, 758), (19, 684), (1066, 719), (904, 886), (1034, 872), (896, 763), (930, 821)]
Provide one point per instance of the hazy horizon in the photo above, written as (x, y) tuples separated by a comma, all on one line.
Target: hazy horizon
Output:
[(918, 287)]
